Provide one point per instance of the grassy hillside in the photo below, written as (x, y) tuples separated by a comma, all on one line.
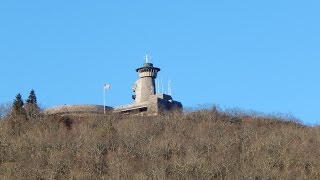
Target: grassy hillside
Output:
[(206, 144)]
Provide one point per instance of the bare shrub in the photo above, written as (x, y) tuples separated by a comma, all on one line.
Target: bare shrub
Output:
[(5, 110), (202, 144)]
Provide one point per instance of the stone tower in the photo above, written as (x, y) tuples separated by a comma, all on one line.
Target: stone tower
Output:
[(145, 86), (147, 102)]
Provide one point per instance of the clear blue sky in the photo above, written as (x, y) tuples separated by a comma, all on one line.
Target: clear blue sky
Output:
[(253, 55)]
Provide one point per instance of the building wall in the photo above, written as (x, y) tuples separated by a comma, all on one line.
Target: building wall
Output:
[(77, 109), (162, 103), (144, 88)]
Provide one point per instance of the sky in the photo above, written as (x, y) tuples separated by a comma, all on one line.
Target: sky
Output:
[(251, 55)]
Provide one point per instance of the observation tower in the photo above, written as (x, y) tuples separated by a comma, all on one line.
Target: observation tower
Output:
[(145, 86), (147, 100)]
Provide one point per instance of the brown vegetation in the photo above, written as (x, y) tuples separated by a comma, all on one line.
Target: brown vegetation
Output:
[(206, 144)]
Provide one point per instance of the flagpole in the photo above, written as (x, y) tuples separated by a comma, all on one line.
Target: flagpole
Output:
[(104, 100), (105, 88)]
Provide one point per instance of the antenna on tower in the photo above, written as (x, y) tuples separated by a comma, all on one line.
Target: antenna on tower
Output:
[(162, 85), (148, 59), (157, 81), (158, 86), (169, 88)]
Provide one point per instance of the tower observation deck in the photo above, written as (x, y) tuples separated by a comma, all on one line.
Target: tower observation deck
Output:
[(145, 86)]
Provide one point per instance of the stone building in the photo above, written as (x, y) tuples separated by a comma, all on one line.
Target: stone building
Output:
[(146, 100)]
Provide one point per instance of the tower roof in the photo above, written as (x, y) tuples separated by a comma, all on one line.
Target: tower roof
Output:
[(148, 66)]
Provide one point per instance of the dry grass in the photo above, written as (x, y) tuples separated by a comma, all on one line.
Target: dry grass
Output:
[(206, 144)]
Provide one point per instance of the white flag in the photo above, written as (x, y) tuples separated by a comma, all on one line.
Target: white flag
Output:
[(106, 86)]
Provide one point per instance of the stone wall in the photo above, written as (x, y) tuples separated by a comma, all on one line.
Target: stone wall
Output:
[(77, 109)]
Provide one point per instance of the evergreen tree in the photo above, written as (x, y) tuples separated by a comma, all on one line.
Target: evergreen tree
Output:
[(17, 106), (32, 99), (31, 107)]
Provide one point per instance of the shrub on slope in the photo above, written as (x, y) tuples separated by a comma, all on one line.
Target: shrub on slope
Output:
[(205, 144)]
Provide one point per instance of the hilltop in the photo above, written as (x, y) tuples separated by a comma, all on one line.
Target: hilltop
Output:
[(203, 144)]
